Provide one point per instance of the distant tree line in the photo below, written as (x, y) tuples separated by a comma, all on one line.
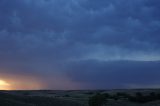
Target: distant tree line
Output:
[(17, 100), (101, 99), (141, 98)]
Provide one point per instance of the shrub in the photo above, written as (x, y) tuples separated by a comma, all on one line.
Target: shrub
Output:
[(139, 98), (107, 95), (97, 100), (66, 95)]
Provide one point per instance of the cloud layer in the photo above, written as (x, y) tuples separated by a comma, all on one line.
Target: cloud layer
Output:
[(74, 39)]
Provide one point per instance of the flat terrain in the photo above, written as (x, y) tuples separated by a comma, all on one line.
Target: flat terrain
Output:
[(75, 98)]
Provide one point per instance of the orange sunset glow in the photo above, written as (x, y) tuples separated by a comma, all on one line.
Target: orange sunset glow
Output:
[(20, 82), (4, 85)]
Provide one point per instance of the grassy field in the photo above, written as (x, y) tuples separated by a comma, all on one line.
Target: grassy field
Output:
[(148, 97)]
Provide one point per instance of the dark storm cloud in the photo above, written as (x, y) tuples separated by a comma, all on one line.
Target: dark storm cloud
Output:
[(49, 34), (108, 22), (116, 74)]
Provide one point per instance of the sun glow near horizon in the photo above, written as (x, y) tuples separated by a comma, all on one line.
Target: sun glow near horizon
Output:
[(21, 82), (4, 85)]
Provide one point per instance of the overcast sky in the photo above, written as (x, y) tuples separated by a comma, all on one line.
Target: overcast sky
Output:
[(80, 44)]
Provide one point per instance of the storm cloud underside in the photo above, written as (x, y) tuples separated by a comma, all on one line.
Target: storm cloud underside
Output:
[(81, 44)]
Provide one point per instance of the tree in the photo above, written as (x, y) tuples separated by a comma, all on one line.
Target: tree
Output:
[(97, 100)]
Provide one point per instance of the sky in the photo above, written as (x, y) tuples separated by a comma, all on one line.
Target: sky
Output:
[(80, 44)]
